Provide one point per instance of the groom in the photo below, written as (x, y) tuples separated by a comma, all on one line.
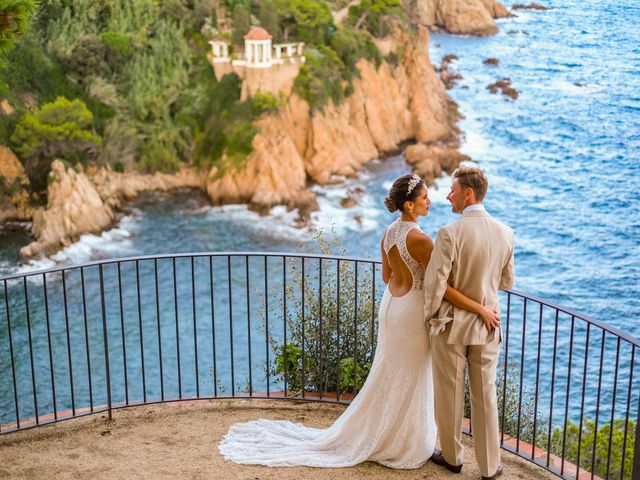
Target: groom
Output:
[(474, 254)]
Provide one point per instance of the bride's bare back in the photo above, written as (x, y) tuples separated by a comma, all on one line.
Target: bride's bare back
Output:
[(395, 271)]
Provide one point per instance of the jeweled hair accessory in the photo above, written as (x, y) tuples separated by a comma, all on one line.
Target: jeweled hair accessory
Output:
[(415, 180)]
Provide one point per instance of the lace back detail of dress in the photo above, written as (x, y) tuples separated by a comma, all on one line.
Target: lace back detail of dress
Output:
[(396, 234)]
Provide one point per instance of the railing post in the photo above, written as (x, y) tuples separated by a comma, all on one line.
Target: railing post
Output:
[(106, 342), (636, 454)]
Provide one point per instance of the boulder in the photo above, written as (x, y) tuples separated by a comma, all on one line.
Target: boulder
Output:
[(504, 85), (467, 17), (530, 6), (74, 208)]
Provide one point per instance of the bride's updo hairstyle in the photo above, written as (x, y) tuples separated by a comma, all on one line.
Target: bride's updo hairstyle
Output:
[(399, 192)]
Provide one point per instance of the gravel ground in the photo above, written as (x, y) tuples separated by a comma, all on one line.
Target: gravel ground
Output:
[(179, 440)]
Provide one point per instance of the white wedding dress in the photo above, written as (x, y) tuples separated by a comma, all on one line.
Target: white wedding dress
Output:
[(391, 420)]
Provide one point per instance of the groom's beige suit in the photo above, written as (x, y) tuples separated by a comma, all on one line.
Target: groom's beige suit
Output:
[(474, 255)]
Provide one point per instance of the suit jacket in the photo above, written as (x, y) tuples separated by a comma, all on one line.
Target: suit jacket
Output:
[(474, 255)]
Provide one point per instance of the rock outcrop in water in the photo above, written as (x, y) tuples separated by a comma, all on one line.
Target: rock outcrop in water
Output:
[(448, 76), (530, 6), (80, 202), (470, 17), (504, 85), (74, 207)]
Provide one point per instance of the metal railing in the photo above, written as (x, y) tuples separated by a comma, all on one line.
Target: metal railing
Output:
[(116, 333)]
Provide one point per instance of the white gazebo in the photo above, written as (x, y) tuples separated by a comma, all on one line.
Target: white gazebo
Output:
[(257, 48)]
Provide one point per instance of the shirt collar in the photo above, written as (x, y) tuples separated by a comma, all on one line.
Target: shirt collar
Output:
[(473, 208)]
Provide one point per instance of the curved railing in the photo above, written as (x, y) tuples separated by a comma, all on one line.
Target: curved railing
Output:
[(116, 333)]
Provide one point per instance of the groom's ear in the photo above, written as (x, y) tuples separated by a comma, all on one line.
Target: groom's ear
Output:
[(470, 195)]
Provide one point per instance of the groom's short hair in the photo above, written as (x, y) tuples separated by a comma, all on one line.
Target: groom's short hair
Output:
[(473, 178)]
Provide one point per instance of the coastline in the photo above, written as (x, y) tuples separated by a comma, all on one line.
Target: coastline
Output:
[(392, 107)]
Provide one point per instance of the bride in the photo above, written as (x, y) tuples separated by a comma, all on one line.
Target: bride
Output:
[(391, 420)]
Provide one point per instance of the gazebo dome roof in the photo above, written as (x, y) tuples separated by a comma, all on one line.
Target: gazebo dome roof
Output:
[(257, 33)]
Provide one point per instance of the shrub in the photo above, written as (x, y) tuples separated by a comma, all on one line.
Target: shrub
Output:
[(264, 102), (158, 157), (330, 362), (240, 136), (510, 401), (351, 46), (601, 439), (117, 43), (321, 78)]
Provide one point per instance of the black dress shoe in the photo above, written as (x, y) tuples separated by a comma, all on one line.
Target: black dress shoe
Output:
[(495, 475), (438, 459)]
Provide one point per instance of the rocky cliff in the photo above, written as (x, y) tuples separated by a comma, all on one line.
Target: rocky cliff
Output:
[(472, 17), (80, 202), (14, 188), (390, 105)]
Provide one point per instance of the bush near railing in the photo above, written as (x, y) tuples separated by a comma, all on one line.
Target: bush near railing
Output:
[(602, 468), (329, 344)]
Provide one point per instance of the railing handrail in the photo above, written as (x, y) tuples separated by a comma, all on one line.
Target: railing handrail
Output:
[(108, 261), (613, 330), (608, 328)]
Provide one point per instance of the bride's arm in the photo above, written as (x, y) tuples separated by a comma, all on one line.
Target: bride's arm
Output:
[(490, 317), (386, 268)]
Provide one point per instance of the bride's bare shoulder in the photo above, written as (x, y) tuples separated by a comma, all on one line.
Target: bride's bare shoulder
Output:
[(420, 246), (417, 238)]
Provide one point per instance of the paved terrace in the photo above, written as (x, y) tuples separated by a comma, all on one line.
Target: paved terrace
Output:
[(179, 440)]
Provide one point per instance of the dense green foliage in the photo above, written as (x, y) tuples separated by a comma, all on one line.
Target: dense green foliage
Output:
[(14, 19), (371, 14), (333, 328), (140, 69), (329, 70), (605, 435), (58, 129)]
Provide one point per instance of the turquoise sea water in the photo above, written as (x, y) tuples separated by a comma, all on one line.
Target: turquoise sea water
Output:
[(562, 160)]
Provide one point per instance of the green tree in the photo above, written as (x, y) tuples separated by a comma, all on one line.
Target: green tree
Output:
[(269, 18), (14, 20), (311, 19), (241, 21), (371, 13), (351, 46), (58, 129)]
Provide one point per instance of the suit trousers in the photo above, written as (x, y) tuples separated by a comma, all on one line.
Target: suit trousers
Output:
[(449, 364)]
